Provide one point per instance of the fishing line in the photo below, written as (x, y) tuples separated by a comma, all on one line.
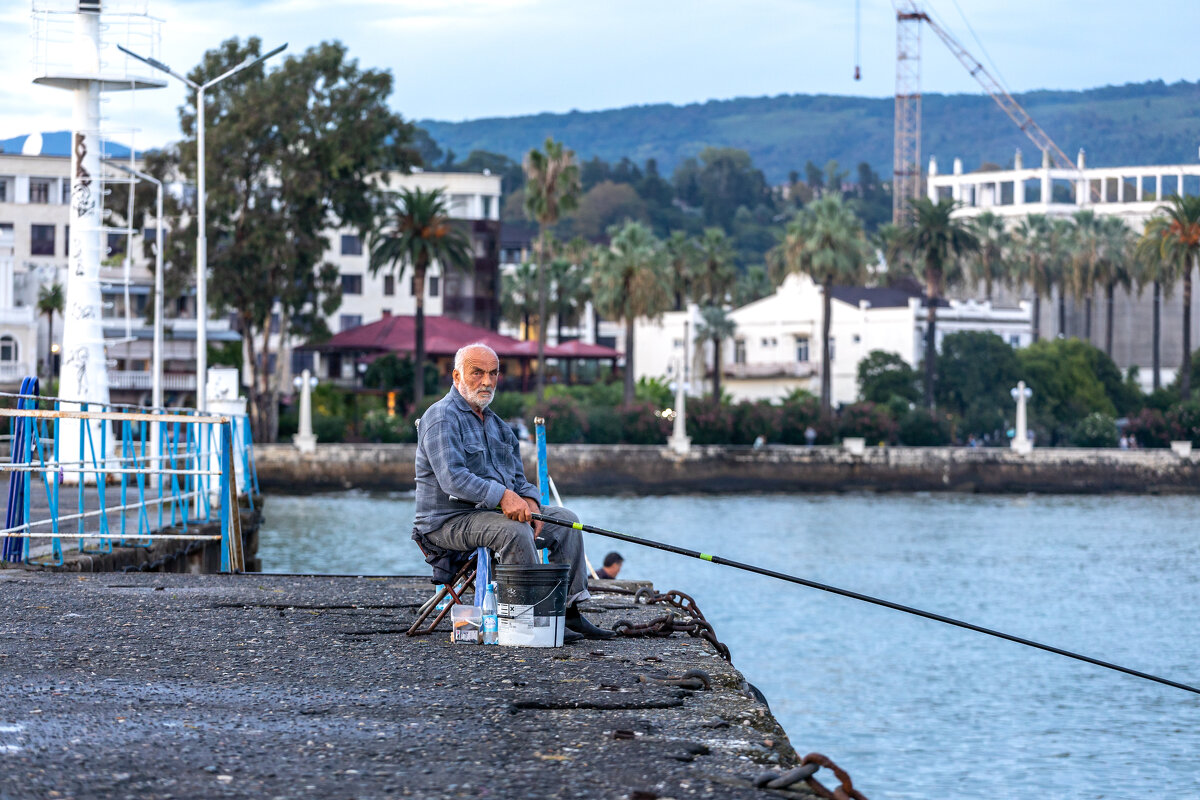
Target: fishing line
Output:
[(770, 573)]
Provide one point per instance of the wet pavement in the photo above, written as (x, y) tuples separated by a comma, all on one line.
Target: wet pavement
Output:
[(177, 686)]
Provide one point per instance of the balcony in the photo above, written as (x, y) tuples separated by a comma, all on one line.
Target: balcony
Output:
[(132, 380), (770, 369), (15, 371)]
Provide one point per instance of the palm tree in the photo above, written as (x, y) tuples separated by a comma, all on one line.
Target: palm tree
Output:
[(940, 243), (991, 261), (714, 274), (1172, 241), (416, 232), (518, 305), (716, 326), (825, 241), (1113, 268), (1086, 247), (682, 257), (568, 278), (51, 301), (631, 280), (1058, 257), (1031, 257), (551, 187)]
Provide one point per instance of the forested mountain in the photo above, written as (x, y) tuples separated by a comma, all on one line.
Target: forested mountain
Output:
[(1142, 123)]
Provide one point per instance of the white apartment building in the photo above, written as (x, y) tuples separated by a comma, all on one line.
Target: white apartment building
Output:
[(776, 345), (1132, 193), (34, 242), (475, 298), (34, 191)]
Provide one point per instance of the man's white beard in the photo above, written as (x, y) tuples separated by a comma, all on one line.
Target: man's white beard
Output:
[(477, 397)]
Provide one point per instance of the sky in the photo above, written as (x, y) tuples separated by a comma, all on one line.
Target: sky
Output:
[(466, 59)]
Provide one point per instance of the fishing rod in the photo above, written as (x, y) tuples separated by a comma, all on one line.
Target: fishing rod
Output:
[(770, 573)]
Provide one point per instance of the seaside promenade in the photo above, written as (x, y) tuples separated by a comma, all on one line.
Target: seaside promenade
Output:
[(258, 686)]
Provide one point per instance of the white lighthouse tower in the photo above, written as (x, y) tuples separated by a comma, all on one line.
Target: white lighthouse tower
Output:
[(70, 53)]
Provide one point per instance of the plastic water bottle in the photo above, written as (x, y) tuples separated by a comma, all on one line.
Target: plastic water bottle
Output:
[(445, 601), (491, 617)]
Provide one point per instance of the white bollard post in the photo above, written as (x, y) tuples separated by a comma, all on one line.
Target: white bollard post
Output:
[(305, 440), (679, 441), (1020, 442)]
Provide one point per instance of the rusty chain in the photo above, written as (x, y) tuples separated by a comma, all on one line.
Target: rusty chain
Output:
[(806, 773), (692, 623)]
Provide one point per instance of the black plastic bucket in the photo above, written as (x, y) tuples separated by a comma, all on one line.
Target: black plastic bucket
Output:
[(532, 600)]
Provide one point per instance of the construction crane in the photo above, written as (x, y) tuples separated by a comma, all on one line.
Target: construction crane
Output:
[(906, 158)]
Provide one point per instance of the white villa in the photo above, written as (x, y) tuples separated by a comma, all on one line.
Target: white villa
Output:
[(776, 346)]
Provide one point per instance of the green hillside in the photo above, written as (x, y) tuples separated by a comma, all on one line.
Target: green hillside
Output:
[(1144, 123)]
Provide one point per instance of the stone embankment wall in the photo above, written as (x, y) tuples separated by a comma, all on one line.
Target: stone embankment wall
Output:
[(616, 469)]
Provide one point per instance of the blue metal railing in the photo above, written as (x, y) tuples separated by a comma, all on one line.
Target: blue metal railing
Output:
[(189, 465)]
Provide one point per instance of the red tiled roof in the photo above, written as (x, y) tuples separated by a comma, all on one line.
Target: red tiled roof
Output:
[(443, 337)]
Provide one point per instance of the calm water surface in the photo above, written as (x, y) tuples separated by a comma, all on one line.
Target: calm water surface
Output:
[(911, 708)]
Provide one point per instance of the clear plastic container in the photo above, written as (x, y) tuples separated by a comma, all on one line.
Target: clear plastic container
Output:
[(467, 623)]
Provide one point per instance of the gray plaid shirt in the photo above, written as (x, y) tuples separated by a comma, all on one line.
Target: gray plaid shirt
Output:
[(464, 463)]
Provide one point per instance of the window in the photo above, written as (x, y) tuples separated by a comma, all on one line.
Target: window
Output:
[(387, 312), (6, 234), (66, 240), (802, 348), (41, 240), (348, 321), (351, 284), (8, 349), (351, 245), (116, 244), (739, 351), (433, 285), (302, 360), (66, 192), (274, 324), (487, 206), (1014, 340), (272, 362), (832, 348), (389, 285), (856, 338), (5, 190), (39, 190)]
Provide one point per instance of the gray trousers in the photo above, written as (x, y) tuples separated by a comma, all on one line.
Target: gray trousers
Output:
[(512, 542)]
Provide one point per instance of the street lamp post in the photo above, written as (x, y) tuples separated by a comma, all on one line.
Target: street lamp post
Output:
[(156, 379), (201, 237)]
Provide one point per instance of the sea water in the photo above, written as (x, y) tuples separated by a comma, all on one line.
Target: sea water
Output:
[(910, 707)]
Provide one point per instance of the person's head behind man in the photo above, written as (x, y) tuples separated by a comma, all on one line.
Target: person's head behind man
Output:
[(476, 375), (612, 564)]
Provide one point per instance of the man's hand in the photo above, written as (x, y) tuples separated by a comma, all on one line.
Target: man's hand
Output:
[(534, 508), (514, 506)]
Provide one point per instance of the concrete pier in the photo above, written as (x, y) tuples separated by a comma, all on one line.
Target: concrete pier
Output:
[(257, 686)]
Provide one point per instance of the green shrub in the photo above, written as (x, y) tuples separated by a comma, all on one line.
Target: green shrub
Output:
[(1095, 430), (921, 427), (377, 426), (565, 420), (643, 423), (797, 412), (604, 425), (1149, 428), (1183, 421), (655, 392), (761, 418), (868, 420), (329, 427), (709, 422), (510, 405)]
